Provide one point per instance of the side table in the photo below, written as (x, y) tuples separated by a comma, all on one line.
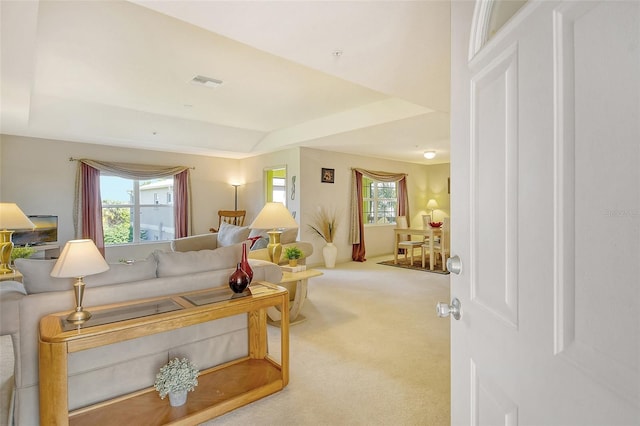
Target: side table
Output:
[(14, 276), (220, 389), (296, 284)]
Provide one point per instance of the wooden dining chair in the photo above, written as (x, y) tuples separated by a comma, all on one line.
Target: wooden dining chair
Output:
[(405, 242), (440, 247), (426, 220), (232, 217)]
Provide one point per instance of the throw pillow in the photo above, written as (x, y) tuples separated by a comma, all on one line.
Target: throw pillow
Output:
[(229, 235), (188, 262), (253, 241), (260, 243), (36, 276)]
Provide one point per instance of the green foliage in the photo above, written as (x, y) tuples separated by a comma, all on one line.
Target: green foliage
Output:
[(21, 252), (116, 223), (292, 252)]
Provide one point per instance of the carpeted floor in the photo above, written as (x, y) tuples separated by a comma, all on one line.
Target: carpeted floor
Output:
[(417, 266), (371, 352)]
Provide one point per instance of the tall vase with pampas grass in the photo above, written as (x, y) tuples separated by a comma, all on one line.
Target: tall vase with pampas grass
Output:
[(324, 225)]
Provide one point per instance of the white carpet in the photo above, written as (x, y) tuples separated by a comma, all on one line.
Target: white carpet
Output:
[(371, 352)]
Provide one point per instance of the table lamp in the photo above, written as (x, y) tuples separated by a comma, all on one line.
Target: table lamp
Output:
[(78, 259), (432, 205), (274, 216), (11, 218)]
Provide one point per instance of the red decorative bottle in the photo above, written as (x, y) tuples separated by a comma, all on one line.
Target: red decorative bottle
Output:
[(239, 280), (245, 263)]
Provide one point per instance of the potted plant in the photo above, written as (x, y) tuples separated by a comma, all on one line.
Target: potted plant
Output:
[(21, 252), (324, 225), (175, 379), (293, 253)]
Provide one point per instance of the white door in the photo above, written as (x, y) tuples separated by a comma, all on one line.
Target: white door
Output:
[(546, 201)]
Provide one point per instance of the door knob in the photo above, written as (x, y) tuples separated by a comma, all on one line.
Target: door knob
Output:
[(455, 309), (454, 265)]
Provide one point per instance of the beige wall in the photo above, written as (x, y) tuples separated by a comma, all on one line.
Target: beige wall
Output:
[(437, 178), (37, 174), (378, 238)]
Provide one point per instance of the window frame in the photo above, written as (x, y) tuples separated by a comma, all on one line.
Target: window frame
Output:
[(375, 200), (136, 209)]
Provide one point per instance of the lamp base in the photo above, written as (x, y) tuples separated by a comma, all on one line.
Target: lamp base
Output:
[(6, 246), (79, 317), (274, 247)]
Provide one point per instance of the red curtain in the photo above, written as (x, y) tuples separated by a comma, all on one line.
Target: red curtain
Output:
[(358, 249), (91, 206), (181, 203), (357, 225)]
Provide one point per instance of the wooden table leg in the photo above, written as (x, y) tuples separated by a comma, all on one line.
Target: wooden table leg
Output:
[(284, 340), (258, 334), (52, 364), (395, 251)]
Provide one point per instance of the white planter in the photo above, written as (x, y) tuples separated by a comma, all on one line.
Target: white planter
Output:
[(178, 398), (330, 253)]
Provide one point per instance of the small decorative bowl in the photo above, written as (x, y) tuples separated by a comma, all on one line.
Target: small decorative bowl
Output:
[(435, 224)]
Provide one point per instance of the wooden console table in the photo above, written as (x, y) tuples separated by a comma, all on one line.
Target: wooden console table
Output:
[(220, 389)]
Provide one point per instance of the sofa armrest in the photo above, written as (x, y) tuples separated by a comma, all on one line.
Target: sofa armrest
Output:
[(11, 293), (196, 242)]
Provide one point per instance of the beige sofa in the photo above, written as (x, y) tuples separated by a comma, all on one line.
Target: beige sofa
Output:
[(230, 234), (103, 373)]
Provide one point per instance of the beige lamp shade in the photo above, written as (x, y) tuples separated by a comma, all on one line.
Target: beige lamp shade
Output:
[(432, 204), (273, 216), (11, 217), (79, 258)]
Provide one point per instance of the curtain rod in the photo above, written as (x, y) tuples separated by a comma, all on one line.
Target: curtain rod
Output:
[(78, 159)]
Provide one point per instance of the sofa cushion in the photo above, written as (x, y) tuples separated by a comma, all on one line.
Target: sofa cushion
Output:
[(195, 242), (183, 263), (36, 276), (229, 235), (289, 235), (119, 273)]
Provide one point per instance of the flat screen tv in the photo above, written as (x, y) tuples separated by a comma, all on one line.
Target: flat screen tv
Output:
[(45, 232)]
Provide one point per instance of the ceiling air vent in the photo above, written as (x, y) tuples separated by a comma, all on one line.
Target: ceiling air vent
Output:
[(206, 81)]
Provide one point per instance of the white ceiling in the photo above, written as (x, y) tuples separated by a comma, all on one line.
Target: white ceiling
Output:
[(119, 72)]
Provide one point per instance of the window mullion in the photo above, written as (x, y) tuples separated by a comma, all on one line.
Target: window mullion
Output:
[(136, 211)]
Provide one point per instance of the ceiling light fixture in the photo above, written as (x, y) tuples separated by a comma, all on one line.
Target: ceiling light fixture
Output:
[(429, 155), (206, 81)]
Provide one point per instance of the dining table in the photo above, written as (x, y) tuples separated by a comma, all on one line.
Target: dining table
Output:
[(429, 231)]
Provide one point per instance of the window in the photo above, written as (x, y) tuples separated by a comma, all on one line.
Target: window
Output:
[(380, 201), (132, 211)]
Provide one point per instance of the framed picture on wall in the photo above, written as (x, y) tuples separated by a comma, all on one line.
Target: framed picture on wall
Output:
[(328, 175)]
